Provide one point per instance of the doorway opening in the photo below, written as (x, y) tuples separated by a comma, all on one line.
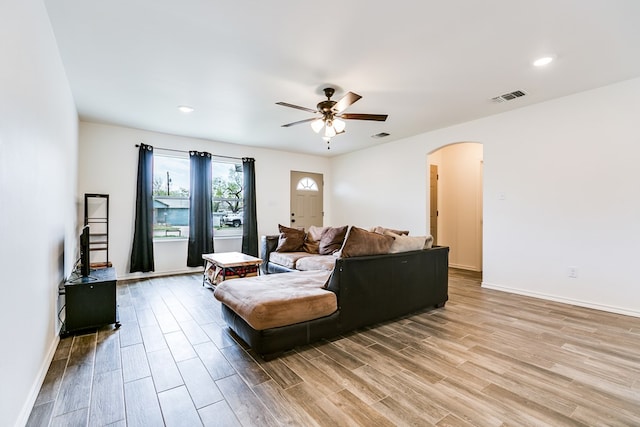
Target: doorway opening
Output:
[(455, 202)]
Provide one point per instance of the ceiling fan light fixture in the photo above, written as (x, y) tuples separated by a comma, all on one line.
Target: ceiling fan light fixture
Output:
[(329, 131), (316, 125), (332, 116)]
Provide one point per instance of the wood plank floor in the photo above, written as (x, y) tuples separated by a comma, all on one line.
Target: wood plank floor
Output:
[(487, 359)]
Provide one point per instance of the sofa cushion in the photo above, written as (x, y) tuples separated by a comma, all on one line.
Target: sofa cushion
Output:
[(331, 240), (288, 259), (312, 239), (360, 242), (276, 300), (290, 240), (316, 262)]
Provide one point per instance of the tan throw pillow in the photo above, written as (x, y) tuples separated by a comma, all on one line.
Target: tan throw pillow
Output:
[(290, 240), (312, 239), (362, 242), (406, 243), (382, 230), (428, 244), (331, 240)]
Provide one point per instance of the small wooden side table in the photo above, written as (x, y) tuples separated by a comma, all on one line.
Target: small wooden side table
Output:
[(228, 265)]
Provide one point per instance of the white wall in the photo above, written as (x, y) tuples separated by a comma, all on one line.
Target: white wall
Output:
[(569, 173), (38, 157), (383, 185), (108, 162), (460, 203)]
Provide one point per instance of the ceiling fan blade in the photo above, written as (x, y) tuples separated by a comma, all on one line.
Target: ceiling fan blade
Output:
[(300, 121), (348, 99), (358, 116), (286, 104)]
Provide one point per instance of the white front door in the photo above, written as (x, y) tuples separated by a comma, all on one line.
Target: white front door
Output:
[(306, 199)]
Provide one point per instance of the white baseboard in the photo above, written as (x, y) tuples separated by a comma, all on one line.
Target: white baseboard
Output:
[(465, 267), (37, 384), (131, 276), (555, 298)]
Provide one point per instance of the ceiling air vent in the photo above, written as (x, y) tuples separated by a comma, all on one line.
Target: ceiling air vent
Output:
[(380, 135), (509, 96)]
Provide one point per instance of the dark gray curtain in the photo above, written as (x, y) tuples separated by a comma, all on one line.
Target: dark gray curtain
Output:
[(249, 218), (200, 216), (142, 248)]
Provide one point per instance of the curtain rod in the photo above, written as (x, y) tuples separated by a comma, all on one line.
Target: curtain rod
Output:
[(185, 151)]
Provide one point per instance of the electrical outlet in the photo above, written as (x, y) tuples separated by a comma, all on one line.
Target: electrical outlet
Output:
[(573, 272)]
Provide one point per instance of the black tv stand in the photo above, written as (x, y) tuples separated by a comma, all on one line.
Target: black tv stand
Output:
[(90, 302)]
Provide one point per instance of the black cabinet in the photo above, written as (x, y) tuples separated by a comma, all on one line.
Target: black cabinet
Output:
[(90, 302)]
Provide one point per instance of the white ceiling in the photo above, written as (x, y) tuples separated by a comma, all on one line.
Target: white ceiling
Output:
[(427, 64)]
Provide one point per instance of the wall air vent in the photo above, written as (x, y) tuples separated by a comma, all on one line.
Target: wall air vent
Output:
[(380, 135), (509, 96)]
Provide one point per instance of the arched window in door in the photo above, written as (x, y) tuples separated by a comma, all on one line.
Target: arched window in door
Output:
[(307, 184)]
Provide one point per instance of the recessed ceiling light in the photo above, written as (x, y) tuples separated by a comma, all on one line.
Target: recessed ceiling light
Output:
[(541, 62), (185, 109)]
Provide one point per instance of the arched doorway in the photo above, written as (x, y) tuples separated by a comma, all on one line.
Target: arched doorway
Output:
[(456, 202)]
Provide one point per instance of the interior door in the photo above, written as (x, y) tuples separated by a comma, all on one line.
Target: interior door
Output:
[(306, 199)]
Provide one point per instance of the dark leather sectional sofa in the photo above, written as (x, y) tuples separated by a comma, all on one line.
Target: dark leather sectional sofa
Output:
[(369, 290)]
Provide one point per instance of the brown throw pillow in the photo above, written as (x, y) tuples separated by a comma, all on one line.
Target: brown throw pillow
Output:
[(331, 240), (362, 242), (290, 240), (312, 239)]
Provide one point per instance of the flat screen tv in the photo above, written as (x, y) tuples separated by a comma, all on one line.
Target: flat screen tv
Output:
[(85, 267)]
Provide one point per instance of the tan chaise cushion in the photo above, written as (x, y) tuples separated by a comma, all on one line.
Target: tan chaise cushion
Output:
[(276, 300)]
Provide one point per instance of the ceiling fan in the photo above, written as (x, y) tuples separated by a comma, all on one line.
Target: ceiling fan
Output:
[(331, 114)]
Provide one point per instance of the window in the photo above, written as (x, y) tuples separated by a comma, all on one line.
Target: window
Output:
[(307, 184), (171, 197), (227, 198)]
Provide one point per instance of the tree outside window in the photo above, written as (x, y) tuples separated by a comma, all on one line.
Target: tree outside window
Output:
[(227, 198)]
